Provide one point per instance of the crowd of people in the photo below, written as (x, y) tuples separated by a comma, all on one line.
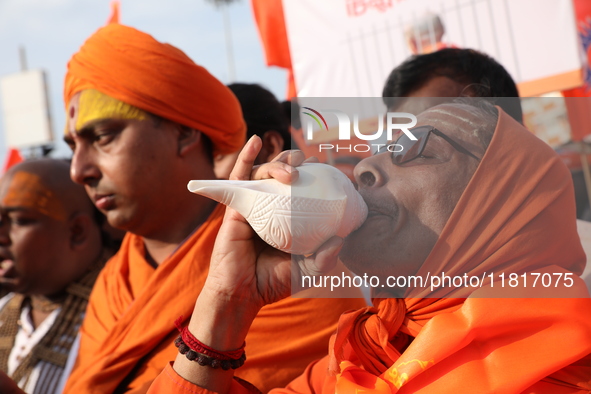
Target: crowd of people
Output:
[(192, 301)]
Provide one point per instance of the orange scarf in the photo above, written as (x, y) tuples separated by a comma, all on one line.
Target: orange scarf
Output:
[(132, 309), (131, 66), (128, 332), (517, 215)]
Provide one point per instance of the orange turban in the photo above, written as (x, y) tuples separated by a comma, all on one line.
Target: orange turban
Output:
[(133, 67)]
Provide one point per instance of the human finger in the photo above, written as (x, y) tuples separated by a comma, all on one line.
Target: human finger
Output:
[(282, 167), (324, 259), (291, 157), (279, 170), (245, 161)]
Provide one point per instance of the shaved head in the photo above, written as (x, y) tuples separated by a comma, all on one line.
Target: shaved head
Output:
[(48, 180), (50, 232)]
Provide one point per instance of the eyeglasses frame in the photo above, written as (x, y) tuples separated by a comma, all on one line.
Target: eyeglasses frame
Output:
[(438, 133)]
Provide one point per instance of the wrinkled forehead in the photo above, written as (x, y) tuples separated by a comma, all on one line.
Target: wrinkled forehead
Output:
[(91, 105), (26, 190), (453, 118)]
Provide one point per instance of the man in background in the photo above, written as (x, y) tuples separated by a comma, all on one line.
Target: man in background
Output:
[(426, 80), (51, 249), (265, 117)]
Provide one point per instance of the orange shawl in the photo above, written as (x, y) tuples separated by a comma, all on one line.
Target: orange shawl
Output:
[(129, 327), (517, 212), (517, 215), (131, 66)]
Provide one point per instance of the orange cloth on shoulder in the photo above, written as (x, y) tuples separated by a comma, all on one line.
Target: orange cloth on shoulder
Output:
[(517, 214), (128, 332), (131, 66)]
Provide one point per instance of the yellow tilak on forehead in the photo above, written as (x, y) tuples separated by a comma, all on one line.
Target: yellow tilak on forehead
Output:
[(94, 105)]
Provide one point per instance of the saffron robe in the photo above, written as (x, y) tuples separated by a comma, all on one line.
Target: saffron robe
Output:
[(128, 333), (516, 215)]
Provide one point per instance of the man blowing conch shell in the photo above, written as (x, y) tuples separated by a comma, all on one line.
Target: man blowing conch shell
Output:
[(478, 194)]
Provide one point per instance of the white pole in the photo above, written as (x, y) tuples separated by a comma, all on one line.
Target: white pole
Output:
[(23, 57), (228, 34)]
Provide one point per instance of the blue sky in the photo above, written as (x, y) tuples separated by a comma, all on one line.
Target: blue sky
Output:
[(52, 30)]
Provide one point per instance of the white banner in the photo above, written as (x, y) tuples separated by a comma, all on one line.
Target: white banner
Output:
[(26, 109), (345, 48)]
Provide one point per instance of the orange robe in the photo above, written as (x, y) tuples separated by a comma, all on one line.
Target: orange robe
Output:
[(128, 333), (490, 345), (517, 215)]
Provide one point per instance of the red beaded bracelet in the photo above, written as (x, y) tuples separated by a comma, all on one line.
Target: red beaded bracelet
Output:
[(197, 351)]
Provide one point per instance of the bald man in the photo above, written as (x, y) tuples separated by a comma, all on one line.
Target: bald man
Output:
[(51, 250)]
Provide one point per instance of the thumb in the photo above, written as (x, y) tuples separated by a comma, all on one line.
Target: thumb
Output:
[(325, 257)]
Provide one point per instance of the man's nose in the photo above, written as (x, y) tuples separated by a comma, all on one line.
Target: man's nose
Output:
[(83, 169), (371, 172)]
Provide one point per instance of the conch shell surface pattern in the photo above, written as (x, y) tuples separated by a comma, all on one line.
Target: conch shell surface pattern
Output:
[(296, 218)]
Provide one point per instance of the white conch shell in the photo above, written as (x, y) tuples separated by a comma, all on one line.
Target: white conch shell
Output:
[(295, 218)]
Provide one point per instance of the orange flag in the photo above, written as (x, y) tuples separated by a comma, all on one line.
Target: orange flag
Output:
[(270, 20), (583, 21), (13, 157), (114, 17)]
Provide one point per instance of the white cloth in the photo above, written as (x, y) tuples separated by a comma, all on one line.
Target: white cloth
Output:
[(69, 364), (26, 338)]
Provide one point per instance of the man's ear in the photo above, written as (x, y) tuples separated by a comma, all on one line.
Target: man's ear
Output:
[(188, 139), (223, 164), (81, 227), (412, 45), (273, 144)]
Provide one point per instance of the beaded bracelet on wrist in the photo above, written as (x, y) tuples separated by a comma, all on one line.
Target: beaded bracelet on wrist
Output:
[(204, 355), (207, 361)]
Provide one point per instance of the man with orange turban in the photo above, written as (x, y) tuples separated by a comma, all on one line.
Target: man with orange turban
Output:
[(143, 120), (475, 194)]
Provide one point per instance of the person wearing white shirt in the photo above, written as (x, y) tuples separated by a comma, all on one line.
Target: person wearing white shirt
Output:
[(51, 250)]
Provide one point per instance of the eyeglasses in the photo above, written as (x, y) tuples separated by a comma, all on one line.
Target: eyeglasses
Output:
[(411, 149)]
